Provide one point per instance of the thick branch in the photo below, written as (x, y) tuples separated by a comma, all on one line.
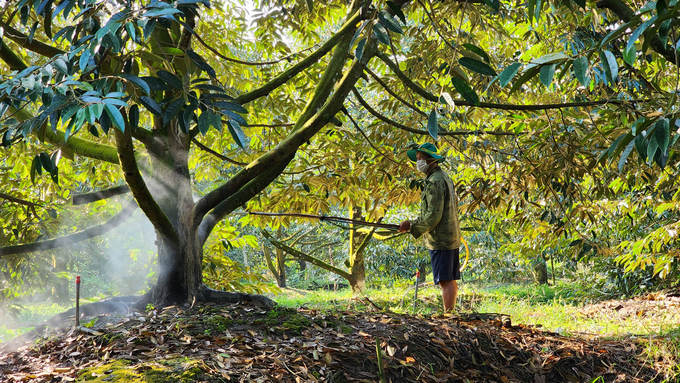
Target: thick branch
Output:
[(313, 118), (424, 132), (488, 105), (11, 58), (70, 239), (250, 190), (83, 147), (82, 199), (34, 45), (300, 255), (349, 27), (626, 14), (80, 146), (139, 189)]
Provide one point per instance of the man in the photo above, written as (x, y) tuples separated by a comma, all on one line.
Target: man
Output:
[(438, 222)]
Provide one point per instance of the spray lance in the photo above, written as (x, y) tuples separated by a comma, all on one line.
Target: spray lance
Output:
[(326, 218)]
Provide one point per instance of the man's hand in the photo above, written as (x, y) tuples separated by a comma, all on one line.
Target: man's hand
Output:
[(405, 227)]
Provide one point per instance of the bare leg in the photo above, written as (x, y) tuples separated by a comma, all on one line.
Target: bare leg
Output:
[(449, 294)]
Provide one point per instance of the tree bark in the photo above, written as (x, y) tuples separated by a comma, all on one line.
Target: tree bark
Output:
[(356, 252)]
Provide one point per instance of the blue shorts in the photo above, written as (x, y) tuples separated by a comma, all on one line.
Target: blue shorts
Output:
[(445, 265)]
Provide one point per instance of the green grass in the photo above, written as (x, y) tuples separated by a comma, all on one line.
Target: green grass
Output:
[(35, 313)]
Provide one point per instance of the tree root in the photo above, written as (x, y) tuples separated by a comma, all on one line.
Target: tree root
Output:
[(207, 294)]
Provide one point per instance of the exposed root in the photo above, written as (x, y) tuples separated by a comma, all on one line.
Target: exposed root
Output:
[(207, 294)]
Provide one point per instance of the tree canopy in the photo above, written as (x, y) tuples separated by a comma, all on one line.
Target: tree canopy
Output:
[(555, 116)]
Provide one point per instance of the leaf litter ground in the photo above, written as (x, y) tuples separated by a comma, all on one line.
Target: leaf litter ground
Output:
[(247, 343)]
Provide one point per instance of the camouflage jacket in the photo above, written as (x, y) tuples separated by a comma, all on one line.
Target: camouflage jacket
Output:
[(438, 220)]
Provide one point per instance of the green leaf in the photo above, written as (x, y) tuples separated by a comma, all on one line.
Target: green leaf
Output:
[(151, 105), (432, 125), (116, 118), (141, 84), (306, 187), (133, 117), (620, 30), (477, 50), (652, 147), (226, 105), (465, 90), (171, 111), (94, 131), (389, 22), (360, 49), (547, 74), (663, 31), (155, 12), (198, 60), (537, 10), (615, 145), (477, 66), (625, 154), (662, 134), (509, 73), (528, 75), (611, 67), (310, 6), (531, 6), (237, 133), (105, 123), (550, 58), (629, 52), (236, 117), (61, 66), (46, 162), (397, 11), (170, 79), (36, 168), (494, 4), (661, 7), (581, 70), (204, 121), (382, 34), (640, 146)]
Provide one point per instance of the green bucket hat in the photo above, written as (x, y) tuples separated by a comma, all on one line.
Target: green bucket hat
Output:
[(426, 148)]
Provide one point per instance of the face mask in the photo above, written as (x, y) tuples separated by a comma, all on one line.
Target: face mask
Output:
[(422, 166)]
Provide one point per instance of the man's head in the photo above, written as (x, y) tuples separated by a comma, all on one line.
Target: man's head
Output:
[(425, 156), (428, 150)]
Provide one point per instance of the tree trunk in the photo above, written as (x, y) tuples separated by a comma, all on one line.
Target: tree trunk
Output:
[(180, 274), (541, 272), (280, 277), (356, 254)]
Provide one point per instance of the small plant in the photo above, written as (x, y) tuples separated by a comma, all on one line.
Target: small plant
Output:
[(150, 307)]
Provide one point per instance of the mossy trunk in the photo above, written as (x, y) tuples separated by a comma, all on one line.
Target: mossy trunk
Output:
[(180, 274)]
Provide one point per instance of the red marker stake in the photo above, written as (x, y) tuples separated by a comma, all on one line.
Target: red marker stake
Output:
[(415, 298), (77, 300)]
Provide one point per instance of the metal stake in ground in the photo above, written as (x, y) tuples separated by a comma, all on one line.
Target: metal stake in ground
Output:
[(77, 300)]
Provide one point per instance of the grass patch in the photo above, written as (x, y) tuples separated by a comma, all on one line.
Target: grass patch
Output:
[(35, 313)]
